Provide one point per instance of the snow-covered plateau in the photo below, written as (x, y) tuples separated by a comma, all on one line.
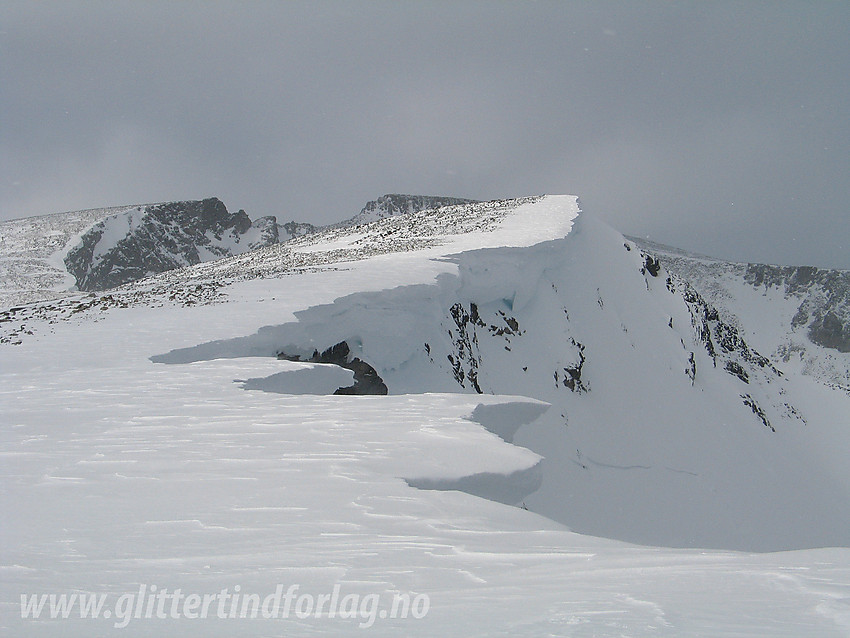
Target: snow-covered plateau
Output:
[(503, 413)]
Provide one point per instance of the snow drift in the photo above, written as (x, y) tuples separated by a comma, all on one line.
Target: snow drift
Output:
[(667, 428)]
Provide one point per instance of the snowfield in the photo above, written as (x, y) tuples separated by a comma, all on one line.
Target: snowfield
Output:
[(155, 440), (32, 251)]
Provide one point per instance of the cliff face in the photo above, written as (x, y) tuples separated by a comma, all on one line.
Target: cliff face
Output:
[(159, 237), (150, 239)]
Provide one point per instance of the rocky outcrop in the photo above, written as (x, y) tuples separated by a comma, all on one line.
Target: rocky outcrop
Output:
[(396, 204), (160, 237), (722, 341), (831, 331), (366, 378), (296, 229)]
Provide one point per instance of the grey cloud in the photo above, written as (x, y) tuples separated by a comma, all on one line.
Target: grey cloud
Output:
[(660, 115)]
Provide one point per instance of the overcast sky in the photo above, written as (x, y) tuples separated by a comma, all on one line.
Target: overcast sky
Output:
[(720, 127)]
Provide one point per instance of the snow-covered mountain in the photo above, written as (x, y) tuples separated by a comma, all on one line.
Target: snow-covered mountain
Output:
[(159, 237), (397, 204), (103, 248), (530, 381), (33, 251), (596, 327), (797, 315)]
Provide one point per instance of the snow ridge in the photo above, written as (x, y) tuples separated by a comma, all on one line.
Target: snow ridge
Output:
[(461, 225), (104, 248), (652, 392)]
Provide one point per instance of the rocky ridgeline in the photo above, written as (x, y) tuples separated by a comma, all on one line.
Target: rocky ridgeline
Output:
[(121, 245), (162, 237), (395, 204), (19, 322), (202, 283)]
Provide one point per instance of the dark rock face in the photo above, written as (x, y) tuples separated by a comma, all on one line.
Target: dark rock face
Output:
[(465, 357), (830, 331), (793, 278), (157, 238), (268, 231), (650, 265), (758, 411), (366, 378), (737, 370), (572, 374)]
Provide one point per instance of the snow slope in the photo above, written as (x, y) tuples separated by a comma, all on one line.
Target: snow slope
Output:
[(666, 428), (148, 440)]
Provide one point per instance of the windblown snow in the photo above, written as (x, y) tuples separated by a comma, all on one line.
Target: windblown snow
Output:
[(554, 393)]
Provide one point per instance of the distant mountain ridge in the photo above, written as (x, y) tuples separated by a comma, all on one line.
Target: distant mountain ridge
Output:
[(100, 249), (160, 237), (797, 316), (396, 204)]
